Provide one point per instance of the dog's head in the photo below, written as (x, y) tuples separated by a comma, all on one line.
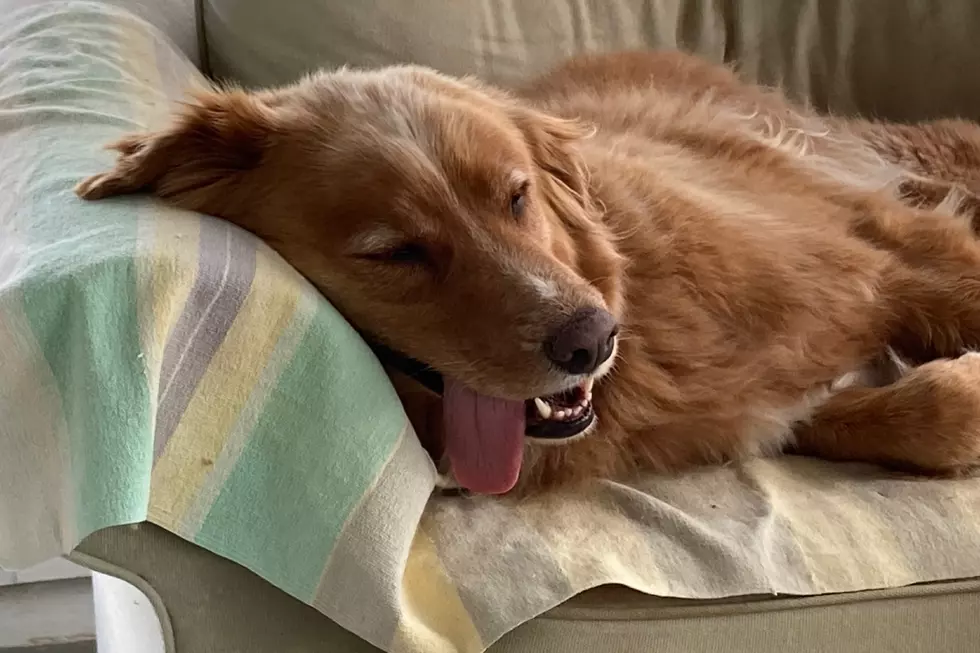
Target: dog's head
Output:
[(446, 220)]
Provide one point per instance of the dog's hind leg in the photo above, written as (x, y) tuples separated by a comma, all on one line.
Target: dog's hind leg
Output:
[(943, 155), (932, 287), (926, 422)]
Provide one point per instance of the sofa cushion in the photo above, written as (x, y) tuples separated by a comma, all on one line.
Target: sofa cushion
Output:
[(893, 58)]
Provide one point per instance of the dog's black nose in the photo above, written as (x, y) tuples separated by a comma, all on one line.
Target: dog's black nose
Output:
[(584, 342)]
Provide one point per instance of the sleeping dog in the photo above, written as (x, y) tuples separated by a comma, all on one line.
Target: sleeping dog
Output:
[(634, 262)]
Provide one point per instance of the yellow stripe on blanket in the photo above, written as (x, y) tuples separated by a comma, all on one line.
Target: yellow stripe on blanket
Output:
[(232, 374), (433, 618), (165, 278), (280, 358), (168, 243)]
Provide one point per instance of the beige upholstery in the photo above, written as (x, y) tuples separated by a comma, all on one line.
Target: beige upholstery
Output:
[(215, 606), (899, 58)]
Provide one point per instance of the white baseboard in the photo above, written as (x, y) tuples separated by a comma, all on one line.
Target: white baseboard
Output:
[(56, 569), (47, 613)]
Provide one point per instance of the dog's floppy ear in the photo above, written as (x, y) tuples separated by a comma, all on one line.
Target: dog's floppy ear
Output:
[(554, 146), (565, 183), (205, 149)]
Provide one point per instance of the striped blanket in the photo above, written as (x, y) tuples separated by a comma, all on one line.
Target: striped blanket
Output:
[(166, 366), (163, 366)]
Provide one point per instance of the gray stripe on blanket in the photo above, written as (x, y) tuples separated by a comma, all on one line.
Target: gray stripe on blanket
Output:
[(226, 267)]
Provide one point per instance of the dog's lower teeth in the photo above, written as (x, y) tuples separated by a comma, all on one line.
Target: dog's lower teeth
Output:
[(547, 410), (543, 408)]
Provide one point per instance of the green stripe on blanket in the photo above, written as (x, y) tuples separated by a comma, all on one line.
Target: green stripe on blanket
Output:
[(93, 351)]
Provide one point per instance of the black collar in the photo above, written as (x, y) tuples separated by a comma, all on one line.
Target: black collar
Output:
[(408, 366)]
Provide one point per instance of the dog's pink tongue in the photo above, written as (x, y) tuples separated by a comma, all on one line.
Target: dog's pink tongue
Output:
[(484, 438)]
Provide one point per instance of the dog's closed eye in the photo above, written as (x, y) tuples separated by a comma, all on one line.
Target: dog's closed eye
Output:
[(518, 197), (405, 253), (386, 245), (518, 201)]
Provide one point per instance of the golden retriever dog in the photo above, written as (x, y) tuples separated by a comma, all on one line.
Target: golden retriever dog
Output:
[(636, 262)]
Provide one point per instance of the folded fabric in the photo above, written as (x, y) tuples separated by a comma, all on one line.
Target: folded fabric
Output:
[(164, 366)]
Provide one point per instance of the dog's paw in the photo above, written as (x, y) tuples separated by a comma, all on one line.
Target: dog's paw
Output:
[(130, 173), (948, 443), (99, 186)]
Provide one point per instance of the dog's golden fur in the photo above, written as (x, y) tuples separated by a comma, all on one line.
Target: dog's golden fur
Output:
[(763, 262)]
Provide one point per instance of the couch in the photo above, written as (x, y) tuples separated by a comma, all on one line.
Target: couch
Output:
[(900, 59)]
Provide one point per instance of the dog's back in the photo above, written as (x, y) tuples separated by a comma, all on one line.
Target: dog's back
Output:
[(751, 303)]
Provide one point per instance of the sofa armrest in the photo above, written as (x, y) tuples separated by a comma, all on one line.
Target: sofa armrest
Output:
[(178, 19)]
